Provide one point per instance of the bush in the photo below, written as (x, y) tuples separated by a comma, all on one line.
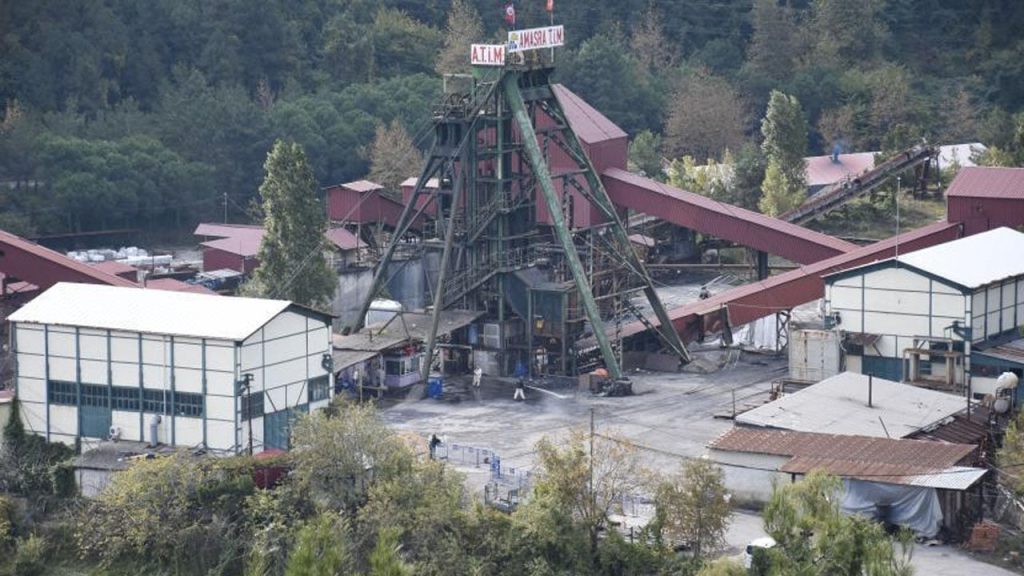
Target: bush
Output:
[(28, 558)]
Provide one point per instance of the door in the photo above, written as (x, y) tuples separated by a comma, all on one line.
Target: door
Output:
[(94, 414)]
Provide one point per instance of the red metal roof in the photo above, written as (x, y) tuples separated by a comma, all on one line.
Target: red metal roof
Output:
[(245, 245), (216, 230), (343, 239), (589, 125), (880, 459), (822, 171), (43, 267), (721, 220), (988, 182), (173, 285), (245, 240), (114, 267)]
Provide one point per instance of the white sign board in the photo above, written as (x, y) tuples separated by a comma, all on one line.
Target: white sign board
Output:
[(536, 38), (487, 55)]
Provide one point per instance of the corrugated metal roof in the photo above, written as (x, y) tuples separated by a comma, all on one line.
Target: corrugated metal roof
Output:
[(822, 171), (178, 286), (893, 461), (343, 239), (150, 311), (840, 405), (362, 186), (590, 126), (411, 183), (114, 267), (216, 230), (245, 241), (974, 261), (988, 182)]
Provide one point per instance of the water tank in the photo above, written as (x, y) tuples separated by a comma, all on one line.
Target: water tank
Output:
[(382, 311), (1007, 380)]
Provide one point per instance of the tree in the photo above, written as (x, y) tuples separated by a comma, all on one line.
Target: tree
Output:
[(775, 42), (1011, 456), (711, 179), (648, 44), (814, 537), (339, 456), (723, 567), (748, 177), (322, 548), (779, 193), (785, 137), (644, 155), (693, 507), (393, 157), (576, 491), (292, 264), (386, 559), (464, 28), (706, 118)]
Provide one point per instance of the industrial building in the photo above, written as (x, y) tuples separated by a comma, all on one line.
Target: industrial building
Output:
[(190, 370), (925, 316)]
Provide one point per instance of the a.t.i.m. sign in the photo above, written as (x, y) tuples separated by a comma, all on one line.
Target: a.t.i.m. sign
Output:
[(518, 41)]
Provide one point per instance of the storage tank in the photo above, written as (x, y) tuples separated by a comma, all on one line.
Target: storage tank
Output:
[(382, 311)]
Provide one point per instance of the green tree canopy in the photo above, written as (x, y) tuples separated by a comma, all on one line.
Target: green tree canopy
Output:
[(292, 263)]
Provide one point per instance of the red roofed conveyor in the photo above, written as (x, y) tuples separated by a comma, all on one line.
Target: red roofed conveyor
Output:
[(788, 290), (30, 262), (721, 220), (819, 253)]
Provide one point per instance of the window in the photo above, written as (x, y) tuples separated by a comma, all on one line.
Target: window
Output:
[(319, 388), (153, 401), (59, 392), (251, 406), (393, 367), (126, 398), (93, 395), (188, 404)]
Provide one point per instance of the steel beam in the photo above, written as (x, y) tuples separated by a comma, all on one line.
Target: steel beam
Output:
[(510, 85)]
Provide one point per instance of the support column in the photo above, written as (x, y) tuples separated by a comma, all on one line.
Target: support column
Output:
[(762, 265)]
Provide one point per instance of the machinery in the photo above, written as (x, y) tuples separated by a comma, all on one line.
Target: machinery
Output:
[(521, 227)]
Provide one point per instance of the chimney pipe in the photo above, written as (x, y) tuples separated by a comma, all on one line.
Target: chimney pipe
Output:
[(870, 386)]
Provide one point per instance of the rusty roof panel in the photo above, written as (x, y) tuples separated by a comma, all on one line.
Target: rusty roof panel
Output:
[(988, 182)]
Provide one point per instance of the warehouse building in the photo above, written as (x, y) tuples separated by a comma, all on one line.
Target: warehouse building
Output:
[(102, 362), (923, 316)]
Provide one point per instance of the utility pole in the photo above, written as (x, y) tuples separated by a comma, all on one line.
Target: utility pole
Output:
[(898, 189), (246, 382), (225, 207)]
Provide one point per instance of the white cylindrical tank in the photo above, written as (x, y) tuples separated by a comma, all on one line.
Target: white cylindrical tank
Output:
[(1007, 380), (381, 311)]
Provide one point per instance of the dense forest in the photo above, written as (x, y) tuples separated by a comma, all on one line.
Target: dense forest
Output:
[(120, 113)]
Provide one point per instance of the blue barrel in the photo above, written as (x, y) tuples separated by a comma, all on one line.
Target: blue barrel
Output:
[(435, 387)]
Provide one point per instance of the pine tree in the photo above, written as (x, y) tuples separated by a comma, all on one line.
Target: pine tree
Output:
[(292, 263), (785, 136), (779, 193)]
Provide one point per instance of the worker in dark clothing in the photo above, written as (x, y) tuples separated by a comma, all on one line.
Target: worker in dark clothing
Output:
[(704, 293), (434, 442), (520, 393)]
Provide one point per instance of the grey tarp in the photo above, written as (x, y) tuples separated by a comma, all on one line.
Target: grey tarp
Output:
[(915, 507)]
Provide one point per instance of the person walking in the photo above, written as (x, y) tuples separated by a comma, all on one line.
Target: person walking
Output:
[(434, 442), (477, 376), (520, 393)]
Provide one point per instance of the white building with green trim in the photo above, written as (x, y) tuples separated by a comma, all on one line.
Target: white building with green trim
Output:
[(101, 362), (950, 315)]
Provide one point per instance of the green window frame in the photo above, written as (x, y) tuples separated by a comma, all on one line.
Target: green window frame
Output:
[(188, 404), (126, 399), (319, 388), (154, 401), (61, 392), (251, 405), (95, 395)]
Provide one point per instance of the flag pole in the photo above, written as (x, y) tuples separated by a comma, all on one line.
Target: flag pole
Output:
[(551, 13)]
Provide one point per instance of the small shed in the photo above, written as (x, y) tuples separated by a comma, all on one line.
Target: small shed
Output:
[(924, 485)]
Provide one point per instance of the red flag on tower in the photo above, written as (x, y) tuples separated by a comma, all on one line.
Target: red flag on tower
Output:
[(550, 6), (510, 14)]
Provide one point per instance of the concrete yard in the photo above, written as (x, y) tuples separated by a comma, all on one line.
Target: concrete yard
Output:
[(671, 417)]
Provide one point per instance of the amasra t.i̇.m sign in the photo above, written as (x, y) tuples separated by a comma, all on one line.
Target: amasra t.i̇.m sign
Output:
[(536, 38)]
